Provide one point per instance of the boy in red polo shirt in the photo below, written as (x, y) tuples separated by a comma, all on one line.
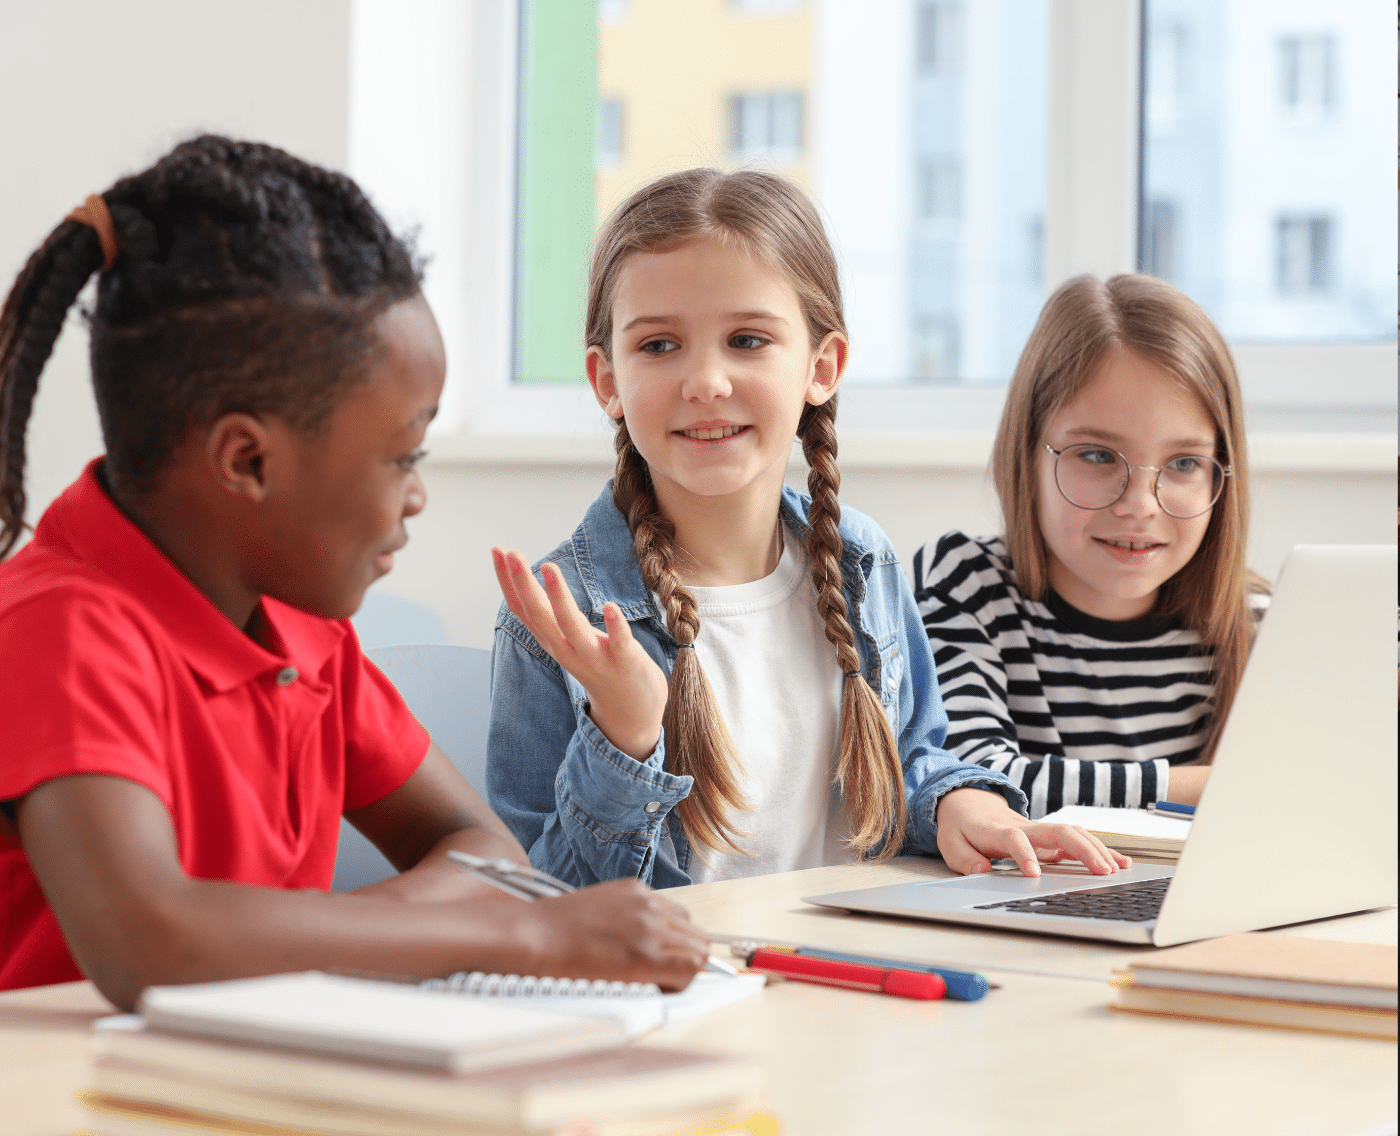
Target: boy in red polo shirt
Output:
[(184, 710)]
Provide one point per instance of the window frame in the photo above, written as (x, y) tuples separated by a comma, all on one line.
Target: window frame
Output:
[(1092, 224)]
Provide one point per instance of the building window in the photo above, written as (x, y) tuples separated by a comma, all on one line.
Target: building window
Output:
[(939, 190), (1168, 58), (609, 133), (1160, 240), (937, 42), (766, 7), (936, 351), (1304, 260), (766, 124), (1307, 78)]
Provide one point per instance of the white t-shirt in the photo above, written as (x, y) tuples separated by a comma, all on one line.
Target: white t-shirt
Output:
[(763, 647)]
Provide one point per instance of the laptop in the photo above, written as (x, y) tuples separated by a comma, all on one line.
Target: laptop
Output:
[(1298, 818)]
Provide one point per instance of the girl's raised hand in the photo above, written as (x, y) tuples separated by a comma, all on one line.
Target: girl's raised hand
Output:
[(976, 826), (626, 689)]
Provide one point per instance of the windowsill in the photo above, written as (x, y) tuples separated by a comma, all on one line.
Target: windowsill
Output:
[(953, 452)]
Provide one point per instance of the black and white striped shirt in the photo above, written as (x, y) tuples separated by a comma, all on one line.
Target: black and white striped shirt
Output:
[(1073, 709)]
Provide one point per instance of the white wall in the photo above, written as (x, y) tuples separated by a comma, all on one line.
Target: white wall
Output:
[(94, 89)]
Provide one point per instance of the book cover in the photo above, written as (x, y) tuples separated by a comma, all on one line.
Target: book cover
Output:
[(135, 1061), (381, 1021), (1277, 966), (110, 1115), (1268, 1012)]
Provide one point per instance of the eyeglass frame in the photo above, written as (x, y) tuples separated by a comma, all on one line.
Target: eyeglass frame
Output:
[(1225, 471)]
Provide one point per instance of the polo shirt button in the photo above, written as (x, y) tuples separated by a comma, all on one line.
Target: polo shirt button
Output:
[(652, 806), (286, 676)]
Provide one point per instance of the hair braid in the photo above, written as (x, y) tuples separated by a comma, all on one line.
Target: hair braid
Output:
[(869, 770), (698, 744), (30, 323)]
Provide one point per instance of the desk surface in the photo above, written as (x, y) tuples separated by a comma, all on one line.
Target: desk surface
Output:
[(1042, 1054)]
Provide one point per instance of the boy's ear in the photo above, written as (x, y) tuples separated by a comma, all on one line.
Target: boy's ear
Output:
[(603, 382), (236, 450), (828, 365)]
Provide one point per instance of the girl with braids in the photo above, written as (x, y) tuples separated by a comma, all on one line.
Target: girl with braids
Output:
[(800, 723), (184, 710), (1092, 653)]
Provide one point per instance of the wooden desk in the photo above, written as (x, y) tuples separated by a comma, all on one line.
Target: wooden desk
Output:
[(1042, 1055)]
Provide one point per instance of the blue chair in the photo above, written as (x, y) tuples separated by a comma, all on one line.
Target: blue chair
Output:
[(448, 688)]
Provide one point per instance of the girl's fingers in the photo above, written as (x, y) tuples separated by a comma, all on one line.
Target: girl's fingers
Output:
[(1018, 847), (573, 626)]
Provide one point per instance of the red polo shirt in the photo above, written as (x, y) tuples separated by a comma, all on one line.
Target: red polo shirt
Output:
[(113, 662)]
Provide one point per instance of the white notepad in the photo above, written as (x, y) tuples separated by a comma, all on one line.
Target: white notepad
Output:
[(382, 1021), (639, 1007)]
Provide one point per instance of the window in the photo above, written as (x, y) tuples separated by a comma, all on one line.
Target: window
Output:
[(766, 125), (1304, 255), (1159, 254), (1305, 83), (503, 154), (936, 37), (609, 145), (1167, 82), (939, 190), (1244, 211)]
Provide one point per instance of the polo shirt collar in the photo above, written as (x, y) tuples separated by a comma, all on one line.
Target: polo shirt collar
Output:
[(98, 533)]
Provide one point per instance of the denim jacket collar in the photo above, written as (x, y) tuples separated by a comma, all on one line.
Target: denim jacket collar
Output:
[(609, 571)]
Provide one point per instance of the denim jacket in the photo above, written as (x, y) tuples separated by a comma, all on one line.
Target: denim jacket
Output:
[(587, 812)]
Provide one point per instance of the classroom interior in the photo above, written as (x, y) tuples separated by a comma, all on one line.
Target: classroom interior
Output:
[(426, 102), (421, 102)]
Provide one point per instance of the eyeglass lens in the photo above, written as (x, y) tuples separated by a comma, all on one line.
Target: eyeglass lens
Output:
[(1094, 477)]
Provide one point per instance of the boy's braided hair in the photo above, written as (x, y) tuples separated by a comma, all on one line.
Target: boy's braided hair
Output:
[(772, 221), (247, 280)]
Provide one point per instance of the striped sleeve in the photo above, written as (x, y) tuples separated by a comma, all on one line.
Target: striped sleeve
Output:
[(986, 645)]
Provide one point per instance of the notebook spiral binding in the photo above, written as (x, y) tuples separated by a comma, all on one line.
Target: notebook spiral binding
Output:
[(485, 985)]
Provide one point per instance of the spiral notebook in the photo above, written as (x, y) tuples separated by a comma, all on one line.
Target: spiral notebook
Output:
[(638, 1006)]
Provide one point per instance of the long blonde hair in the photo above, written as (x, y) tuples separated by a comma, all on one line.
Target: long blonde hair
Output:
[(1082, 323), (770, 220)]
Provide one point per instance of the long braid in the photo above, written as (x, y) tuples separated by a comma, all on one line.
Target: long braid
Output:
[(30, 323), (698, 744), (869, 771)]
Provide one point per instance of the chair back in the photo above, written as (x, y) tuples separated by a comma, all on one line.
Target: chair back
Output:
[(448, 688)]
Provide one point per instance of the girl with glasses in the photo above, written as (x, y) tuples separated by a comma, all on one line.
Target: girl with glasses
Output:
[(1092, 652)]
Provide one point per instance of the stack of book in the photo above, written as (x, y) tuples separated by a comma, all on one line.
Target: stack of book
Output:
[(1145, 836), (325, 1055), (1258, 979)]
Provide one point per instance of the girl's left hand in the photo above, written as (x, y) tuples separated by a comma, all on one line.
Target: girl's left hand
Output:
[(976, 826)]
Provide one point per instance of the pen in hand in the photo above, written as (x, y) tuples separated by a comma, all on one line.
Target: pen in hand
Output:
[(524, 881)]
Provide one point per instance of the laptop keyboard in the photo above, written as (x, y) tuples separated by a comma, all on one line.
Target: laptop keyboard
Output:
[(1131, 903)]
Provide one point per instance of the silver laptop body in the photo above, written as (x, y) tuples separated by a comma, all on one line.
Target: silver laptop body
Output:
[(1298, 819)]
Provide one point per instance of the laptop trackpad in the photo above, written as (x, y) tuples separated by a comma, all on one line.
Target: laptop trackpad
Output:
[(1006, 883)]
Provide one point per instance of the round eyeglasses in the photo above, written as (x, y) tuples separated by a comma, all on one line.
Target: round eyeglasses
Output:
[(1092, 476)]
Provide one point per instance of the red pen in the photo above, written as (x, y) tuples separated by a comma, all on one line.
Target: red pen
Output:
[(851, 975)]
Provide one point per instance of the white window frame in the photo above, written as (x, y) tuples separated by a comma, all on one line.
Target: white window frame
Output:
[(432, 135)]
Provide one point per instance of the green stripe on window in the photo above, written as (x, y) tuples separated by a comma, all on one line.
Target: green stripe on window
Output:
[(558, 100)]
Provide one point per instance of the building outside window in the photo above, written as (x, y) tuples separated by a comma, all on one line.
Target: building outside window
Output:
[(1305, 71), (766, 124), (609, 133), (1304, 255)]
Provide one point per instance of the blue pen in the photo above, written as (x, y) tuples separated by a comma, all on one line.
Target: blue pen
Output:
[(963, 985), (1171, 808)]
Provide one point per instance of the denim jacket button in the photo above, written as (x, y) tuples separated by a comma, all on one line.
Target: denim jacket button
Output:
[(652, 806)]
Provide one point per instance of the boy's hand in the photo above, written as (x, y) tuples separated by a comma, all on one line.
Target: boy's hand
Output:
[(617, 930), (626, 689), (977, 825)]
